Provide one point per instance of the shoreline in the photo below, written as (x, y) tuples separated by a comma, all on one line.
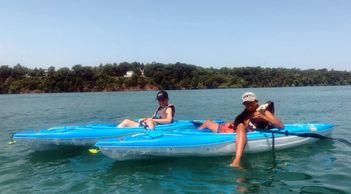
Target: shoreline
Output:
[(142, 90), (155, 76)]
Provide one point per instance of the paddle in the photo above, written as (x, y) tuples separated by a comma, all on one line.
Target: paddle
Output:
[(154, 133), (11, 142), (94, 150), (151, 132), (312, 135)]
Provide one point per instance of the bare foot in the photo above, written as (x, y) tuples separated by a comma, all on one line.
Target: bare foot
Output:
[(236, 164)]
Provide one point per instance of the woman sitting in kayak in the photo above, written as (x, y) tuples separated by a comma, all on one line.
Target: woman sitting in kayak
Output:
[(254, 117), (163, 115)]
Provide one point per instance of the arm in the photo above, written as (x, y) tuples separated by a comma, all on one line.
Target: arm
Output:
[(166, 120), (268, 116)]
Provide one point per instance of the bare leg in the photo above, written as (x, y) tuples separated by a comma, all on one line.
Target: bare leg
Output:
[(213, 126), (128, 123), (240, 145)]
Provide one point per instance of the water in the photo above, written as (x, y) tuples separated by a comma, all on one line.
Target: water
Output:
[(322, 167)]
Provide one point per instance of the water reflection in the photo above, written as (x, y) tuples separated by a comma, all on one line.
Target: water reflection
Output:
[(263, 173), (56, 155)]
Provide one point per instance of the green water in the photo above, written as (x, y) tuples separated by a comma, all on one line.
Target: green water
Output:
[(322, 167)]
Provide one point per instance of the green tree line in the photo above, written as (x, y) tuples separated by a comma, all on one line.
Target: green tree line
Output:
[(111, 77)]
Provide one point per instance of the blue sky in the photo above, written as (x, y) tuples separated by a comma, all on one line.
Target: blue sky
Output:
[(281, 33)]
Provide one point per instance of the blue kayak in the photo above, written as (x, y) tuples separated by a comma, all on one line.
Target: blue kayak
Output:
[(190, 142), (88, 135)]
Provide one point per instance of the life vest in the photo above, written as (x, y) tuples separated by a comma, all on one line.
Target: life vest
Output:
[(160, 112), (254, 123)]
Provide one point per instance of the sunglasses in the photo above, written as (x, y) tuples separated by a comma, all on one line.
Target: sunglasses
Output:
[(247, 103)]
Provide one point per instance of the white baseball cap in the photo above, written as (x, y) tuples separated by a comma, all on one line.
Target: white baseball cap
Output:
[(249, 97)]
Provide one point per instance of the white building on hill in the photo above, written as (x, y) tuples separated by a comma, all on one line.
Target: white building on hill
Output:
[(129, 74)]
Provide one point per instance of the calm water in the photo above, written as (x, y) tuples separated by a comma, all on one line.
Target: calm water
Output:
[(323, 167)]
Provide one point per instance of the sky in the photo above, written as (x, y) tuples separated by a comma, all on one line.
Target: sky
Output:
[(268, 33)]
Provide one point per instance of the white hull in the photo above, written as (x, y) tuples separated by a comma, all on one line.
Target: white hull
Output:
[(222, 149), (47, 144)]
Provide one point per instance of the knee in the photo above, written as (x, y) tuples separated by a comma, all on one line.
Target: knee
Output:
[(127, 121), (207, 122), (240, 128)]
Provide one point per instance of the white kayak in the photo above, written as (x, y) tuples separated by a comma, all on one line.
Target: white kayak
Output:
[(198, 143)]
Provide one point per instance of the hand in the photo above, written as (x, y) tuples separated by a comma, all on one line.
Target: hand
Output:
[(259, 115), (149, 119), (142, 120), (262, 108)]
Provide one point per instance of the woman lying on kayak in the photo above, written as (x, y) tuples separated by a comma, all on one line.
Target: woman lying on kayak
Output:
[(253, 117), (163, 115)]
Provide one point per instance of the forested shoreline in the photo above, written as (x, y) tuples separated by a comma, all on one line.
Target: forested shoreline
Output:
[(153, 76)]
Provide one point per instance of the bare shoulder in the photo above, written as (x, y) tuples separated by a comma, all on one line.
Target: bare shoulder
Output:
[(169, 109)]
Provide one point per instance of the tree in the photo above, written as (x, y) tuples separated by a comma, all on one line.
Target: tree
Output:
[(110, 77)]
